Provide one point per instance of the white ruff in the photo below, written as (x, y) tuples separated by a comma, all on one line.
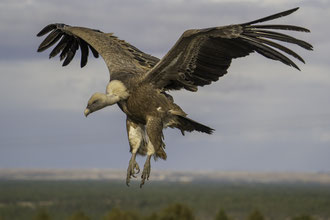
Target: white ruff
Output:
[(117, 88)]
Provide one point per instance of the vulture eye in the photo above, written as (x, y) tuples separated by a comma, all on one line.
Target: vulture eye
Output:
[(96, 101)]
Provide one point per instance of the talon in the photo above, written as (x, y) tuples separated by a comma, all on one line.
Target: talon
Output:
[(141, 184), (137, 168)]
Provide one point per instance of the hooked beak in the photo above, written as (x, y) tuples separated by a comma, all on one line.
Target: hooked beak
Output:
[(87, 111)]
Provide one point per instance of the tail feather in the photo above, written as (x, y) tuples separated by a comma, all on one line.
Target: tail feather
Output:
[(187, 124)]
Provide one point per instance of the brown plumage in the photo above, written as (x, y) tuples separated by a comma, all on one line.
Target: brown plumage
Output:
[(139, 82)]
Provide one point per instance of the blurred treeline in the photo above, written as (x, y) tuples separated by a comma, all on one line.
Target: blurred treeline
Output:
[(172, 212), (103, 200)]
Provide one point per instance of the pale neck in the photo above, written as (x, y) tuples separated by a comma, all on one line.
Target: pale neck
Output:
[(111, 99)]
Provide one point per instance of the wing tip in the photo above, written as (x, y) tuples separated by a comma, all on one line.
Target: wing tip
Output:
[(49, 28), (294, 9), (66, 46), (46, 30), (296, 67), (272, 17)]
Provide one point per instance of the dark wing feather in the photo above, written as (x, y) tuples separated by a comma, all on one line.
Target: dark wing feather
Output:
[(84, 52), (47, 29), (50, 40), (71, 52), (67, 46), (201, 56), (120, 56), (272, 17), (280, 47), (59, 47), (282, 27), (260, 47), (94, 52), (278, 36), (66, 49)]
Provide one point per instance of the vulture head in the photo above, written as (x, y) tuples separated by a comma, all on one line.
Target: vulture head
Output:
[(115, 92)]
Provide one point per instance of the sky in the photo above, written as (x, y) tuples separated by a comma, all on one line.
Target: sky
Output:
[(267, 116)]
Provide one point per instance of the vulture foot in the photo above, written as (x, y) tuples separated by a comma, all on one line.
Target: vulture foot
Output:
[(146, 171), (133, 168)]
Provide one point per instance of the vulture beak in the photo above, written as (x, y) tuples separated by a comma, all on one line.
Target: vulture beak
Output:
[(87, 111)]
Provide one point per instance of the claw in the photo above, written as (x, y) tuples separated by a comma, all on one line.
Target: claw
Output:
[(137, 168)]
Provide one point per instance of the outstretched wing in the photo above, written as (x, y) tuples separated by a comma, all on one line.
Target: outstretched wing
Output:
[(201, 56), (119, 55)]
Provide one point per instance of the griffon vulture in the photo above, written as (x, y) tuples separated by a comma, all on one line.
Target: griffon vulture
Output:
[(139, 82)]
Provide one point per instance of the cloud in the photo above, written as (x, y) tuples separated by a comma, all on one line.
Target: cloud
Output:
[(44, 84), (143, 23)]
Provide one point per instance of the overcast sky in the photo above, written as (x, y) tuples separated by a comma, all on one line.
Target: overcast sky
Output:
[(267, 116)]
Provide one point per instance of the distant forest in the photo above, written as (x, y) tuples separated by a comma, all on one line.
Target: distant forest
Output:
[(113, 200)]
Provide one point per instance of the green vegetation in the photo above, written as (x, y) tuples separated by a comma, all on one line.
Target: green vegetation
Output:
[(221, 215), (177, 211), (117, 214), (256, 215), (79, 216), (41, 215), (105, 200), (303, 217)]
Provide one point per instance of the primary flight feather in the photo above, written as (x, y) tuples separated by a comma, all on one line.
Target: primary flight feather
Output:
[(139, 82)]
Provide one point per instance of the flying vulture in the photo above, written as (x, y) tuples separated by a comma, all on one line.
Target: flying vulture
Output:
[(139, 83)]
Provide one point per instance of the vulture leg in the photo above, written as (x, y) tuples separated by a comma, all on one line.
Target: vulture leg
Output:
[(155, 145), (132, 166), (146, 170), (135, 133)]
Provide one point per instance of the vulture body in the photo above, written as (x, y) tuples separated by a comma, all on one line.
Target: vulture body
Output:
[(139, 82)]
